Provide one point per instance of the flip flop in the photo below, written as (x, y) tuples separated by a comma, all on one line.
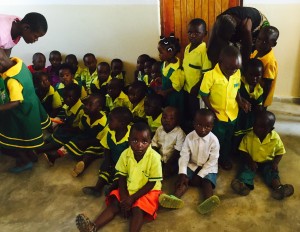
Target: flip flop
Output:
[(78, 169), (170, 201), (208, 205), (84, 224)]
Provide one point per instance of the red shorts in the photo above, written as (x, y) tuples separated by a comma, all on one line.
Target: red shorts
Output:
[(148, 203)]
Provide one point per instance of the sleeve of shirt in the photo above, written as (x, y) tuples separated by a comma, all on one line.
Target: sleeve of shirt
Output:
[(184, 157), (154, 142), (15, 90), (83, 93), (243, 144), (279, 150), (78, 118), (212, 160), (206, 65), (121, 165), (179, 141), (206, 84), (103, 141), (270, 71), (56, 102), (177, 79), (155, 173)]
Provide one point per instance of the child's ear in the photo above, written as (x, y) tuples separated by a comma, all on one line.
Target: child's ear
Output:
[(274, 43)]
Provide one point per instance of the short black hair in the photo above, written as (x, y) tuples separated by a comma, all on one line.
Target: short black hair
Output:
[(272, 32), (225, 24), (140, 126), (155, 99), (140, 86), (75, 88), (67, 66), (55, 52), (71, 56), (229, 51), (254, 63), (101, 98), (116, 60), (35, 55), (104, 64), (267, 117), (198, 22), (89, 54), (170, 43), (123, 114), (36, 21), (205, 112)]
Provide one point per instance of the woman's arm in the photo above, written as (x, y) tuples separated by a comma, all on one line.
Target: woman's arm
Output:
[(9, 105)]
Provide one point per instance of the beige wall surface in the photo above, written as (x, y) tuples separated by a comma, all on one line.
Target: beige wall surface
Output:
[(110, 30), (286, 18)]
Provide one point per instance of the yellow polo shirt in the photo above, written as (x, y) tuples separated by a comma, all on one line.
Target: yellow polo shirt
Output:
[(62, 86), (56, 100), (96, 82), (222, 92), (139, 173), (195, 63), (270, 72), (262, 151), (154, 124), (138, 110), (177, 77), (87, 78), (121, 100), (75, 110)]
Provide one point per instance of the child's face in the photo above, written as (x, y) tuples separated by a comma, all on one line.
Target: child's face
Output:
[(261, 128), (103, 73), (135, 95), (70, 98), (169, 119), (263, 43), (39, 62), (93, 106), (90, 62), (113, 89), (254, 75), (30, 36), (65, 76), (164, 54), (55, 59), (203, 124), (114, 122), (147, 68), (72, 61), (116, 68), (230, 64), (155, 71), (139, 142), (140, 63), (150, 108), (44, 82), (196, 33)]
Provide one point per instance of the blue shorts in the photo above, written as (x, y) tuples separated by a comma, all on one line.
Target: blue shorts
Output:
[(212, 177)]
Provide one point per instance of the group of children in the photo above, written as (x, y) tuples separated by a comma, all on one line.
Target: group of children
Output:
[(140, 130)]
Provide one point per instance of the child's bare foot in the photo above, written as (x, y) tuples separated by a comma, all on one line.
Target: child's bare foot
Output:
[(78, 169), (84, 224), (92, 191)]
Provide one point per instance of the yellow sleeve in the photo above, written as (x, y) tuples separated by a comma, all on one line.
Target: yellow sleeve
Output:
[(206, 65), (206, 84), (103, 140), (83, 93), (155, 173), (270, 71), (15, 90), (177, 79), (121, 166), (56, 102), (243, 144)]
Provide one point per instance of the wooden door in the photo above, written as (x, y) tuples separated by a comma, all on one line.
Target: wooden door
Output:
[(176, 14)]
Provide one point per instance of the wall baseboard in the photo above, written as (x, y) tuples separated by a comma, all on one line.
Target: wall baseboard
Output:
[(287, 99)]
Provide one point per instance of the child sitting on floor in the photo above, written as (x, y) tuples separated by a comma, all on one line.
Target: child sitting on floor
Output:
[(99, 84), (38, 63), (71, 59), (140, 175), (147, 70), (117, 70), (168, 140), (198, 164), (153, 110), (55, 61), (262, 149), (140, 65), (136, 94), (114, 141), (89, 72)]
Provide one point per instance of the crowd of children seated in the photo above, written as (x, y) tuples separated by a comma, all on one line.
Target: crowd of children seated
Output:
[(184, 118)]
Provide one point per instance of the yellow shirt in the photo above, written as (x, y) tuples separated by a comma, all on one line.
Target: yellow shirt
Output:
[(103, 140), (121, 100), (222, 92), (87, 78), (265, 151), (139, 173), (96, 82), (257, 92), (78, 73), (270, 72), (138, 110), (83, 92), (195, 63), (154, 124), (75, 110), (177, 77)]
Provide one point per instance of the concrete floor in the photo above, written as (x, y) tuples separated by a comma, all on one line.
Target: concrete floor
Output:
[(48, 199)]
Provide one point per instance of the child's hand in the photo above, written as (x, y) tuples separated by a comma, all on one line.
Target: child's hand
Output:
[(245, 105), (182, 179), (127, 203)]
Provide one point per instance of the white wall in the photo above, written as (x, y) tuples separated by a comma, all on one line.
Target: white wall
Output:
[(108, 28)]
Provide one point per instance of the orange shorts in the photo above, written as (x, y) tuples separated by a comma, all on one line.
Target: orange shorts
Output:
[(148, 203)]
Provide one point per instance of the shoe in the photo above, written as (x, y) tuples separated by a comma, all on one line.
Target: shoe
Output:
[(208, 205), (170, 201), (225, 164), (92, 191), (84, 224), (25, 167), (239, 187), (78, 169), (283, 191), (50, 160)]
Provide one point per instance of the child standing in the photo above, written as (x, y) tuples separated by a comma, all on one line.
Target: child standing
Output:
[(38, 63), (140, 175), (195, 64), (89, 72), (22, 116), (266, 40), (117, 70), (55, 61), (198, 164), (172, 76), (71, 59), (153, 110), (136, 94), (262, 149), (168, 140), (114, 141), (99, 84), (219, 91)]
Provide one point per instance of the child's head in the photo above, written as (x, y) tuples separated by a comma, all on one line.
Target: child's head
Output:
[(137, 91), (139, 139), (196, 31), (254, 71), (170, 118), (230, 60), (71, 59), (153, 105), (225, 27), (55, 58), (33, 25), (116, 67), (103, 71), (168, 47), (71, 94), (264, 124), (156, 70), (140, 63), (203, 122), (94, 104), (148, 66), (38, 61), (114, 88), (267, 38), (119, 118), (42, 81), (90, 61), (65, 73)]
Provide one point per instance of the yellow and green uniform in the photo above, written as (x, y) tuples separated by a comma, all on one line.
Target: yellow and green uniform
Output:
[(87, 78), (154, 124), (52, 100), (138, 110), (21, 127), (121, 100), (77, 75), (97, 88), (60, 88)]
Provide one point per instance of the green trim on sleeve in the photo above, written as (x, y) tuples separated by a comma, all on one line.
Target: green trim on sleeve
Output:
[(203, 94)]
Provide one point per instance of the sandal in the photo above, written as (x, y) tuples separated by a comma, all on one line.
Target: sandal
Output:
[(239, 187), (84, 224), (208, 205), (78, 169), (170, 201), (283, 191)]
